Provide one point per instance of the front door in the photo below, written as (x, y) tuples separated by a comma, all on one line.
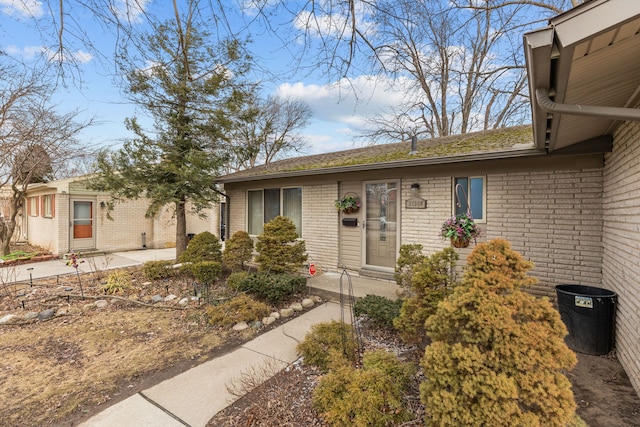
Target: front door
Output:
[(381, 236), (82, 225)]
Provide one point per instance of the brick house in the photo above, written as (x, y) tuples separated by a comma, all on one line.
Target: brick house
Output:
[(565, 191), (64, 216)]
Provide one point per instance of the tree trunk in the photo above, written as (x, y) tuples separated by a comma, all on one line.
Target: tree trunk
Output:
[(181, 228)]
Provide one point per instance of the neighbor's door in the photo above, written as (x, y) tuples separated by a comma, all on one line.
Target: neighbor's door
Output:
[(381, 236), (82, 225)]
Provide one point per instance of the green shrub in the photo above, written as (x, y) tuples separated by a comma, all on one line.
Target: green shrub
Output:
[(379, 309), (118, 281), (368, 397), (279, 249), (204, 271), (238, 251), (433, 280), (242, 308), (325, 338), (235, 279), (410, 256), (203, 247), (273, 288), (155, 270), (498, 354)]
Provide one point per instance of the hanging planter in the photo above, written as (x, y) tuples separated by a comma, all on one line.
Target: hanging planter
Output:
[(350, 203), (459, 243), (460, 229)]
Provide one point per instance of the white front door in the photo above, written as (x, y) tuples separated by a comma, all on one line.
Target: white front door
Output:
[(82, 224), (381, 223)]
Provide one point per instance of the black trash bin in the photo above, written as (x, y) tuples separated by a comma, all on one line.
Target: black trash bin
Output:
[(589, 314)]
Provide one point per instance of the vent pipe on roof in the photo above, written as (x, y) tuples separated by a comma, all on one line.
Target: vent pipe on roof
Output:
[(614, 113), (414, 145)]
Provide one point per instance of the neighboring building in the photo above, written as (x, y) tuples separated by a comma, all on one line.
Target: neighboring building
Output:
[(566, 195), (64, 216)]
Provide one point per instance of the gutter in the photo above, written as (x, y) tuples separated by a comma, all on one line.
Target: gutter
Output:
[(228, 209), (613, 113)]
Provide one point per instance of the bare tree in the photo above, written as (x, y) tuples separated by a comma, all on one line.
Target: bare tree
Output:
[(266, 130), (35, 141)]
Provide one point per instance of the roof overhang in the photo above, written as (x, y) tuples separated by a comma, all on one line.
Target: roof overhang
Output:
[(584, 73), (428, 161)]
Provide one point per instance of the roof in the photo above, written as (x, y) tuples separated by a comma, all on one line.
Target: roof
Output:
[(491, 144), (584, 73)]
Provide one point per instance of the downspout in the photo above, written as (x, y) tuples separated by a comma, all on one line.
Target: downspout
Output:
[(228, 211), (614, 113)]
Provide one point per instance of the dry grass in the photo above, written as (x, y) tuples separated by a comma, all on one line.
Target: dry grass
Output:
[(52, 371)]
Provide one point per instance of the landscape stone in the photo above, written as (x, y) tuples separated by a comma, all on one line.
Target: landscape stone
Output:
[(156, 299), (46, 314), (101, 303), (296, 306), (9, 318), (307, 303), (61, 312), (268, 320), (241, 326), (316, 299), (89, 306), (30, 315), (286, 312), (275, 315), (170, 297), (184, 301)]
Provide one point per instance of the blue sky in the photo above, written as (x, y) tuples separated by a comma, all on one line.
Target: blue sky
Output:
[(337, 115)]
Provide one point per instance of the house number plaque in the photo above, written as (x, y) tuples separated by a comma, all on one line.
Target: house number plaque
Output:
[(416, 203)]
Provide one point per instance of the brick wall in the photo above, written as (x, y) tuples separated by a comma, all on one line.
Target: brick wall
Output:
[(320, 224), (554, 218), (621, 239)]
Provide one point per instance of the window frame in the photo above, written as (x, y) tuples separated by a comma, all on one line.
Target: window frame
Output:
[(33, 206), (48, 205), (281, 191), (454, 180)]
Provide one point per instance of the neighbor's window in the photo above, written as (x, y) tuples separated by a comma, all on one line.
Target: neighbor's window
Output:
[(469, 193), (266, 204), (32, 203), (47, 206)]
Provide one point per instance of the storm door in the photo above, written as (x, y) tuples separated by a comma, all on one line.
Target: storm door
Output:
[(82, 224), (381, 224)]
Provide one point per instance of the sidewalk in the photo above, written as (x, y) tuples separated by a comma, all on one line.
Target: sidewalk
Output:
[(193, 397)]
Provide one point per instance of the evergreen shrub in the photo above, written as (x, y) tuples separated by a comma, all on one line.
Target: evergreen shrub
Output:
[(498, 355), (433, 280), (371, 396), (204, 271), (155, 270), (238, 251), (380, 310), (241, 308), (279, 249), (327, 338), (204, 246), (273, 288)]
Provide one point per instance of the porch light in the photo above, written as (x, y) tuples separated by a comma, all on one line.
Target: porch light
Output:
[(415, 187)]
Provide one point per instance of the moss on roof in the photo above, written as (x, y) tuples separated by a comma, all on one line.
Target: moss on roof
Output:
[(498, 140)]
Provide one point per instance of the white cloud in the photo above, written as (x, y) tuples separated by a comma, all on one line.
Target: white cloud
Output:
[(22, 8), (129, 10), (78, 56)]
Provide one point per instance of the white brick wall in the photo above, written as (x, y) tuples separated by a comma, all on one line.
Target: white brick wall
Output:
[(621, 239), (554, 218), (320, 224)]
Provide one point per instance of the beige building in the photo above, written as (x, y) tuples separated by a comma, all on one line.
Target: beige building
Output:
[(64, 216), (565, 191)]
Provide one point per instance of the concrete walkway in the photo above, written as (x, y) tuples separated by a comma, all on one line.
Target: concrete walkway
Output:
[(195, 396)]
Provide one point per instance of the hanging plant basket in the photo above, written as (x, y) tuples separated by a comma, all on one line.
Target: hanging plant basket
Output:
[(459, 243), (350, 203)]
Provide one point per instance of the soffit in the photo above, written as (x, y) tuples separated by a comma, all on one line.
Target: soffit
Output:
[(588, 56)]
